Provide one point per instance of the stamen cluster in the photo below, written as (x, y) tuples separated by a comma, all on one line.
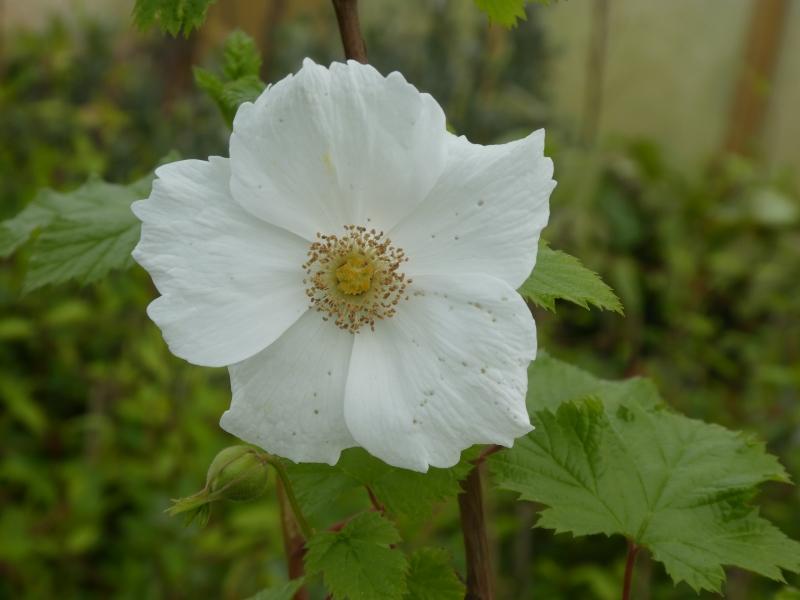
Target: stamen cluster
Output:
[(355, 278)]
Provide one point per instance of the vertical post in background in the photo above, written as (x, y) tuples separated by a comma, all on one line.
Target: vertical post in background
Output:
[(595, 71), (751, 96), (2, 35)]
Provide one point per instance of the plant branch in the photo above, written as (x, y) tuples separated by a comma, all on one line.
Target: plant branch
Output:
[(376, 504), (350, 30), (630, 561), (293, 540), (286, 485), (487, 452), (476, 543)]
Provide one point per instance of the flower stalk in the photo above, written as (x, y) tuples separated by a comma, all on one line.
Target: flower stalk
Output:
[(293, 539), (294, 526), (288, 492), (350, 30)]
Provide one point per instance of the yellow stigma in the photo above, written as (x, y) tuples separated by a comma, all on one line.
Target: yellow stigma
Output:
[(354, 277)]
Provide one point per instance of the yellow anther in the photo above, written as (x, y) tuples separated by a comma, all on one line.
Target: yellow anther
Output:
[(355, 275)]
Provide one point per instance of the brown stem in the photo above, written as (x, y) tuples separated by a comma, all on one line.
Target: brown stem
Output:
[(293, 540), (272, 21), (630, 561), (350, 29), (376, 504), (476, 543), (487, 452)]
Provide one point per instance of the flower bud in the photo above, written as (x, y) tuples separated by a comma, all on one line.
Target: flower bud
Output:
[(237, 473)]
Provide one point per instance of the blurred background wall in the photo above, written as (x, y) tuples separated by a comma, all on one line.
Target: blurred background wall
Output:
[(672, 71)]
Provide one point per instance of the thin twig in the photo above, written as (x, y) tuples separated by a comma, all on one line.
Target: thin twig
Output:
[(350, 30), (476, 542), (295, 505), (293, 541), (486, 453), (376, 504), (630, 561)]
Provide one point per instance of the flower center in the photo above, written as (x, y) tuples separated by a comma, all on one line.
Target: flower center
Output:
[(354, 278), (355, 275)]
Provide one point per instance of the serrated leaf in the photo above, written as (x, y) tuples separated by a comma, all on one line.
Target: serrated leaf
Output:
[(557, 275), (171, 16), (244, 89), (505, 12), (209, 83), (240, 81), (16, 231), (92, 231), (241, 56), (552, 382), (284, 592), (400, 491), (431, 576), (357, 562), (677, 486), (49, 205)]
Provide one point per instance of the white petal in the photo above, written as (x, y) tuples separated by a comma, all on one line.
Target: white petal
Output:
[(485, 213), (332, 147), (230, 283), (449, 370), (289, 399)]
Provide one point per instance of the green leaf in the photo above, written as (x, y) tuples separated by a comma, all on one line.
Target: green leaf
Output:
[(400, 491), (358, 562), (431, 576), (284, 592), (241, 56), (677, 486), (505, 12), (559, 275), (552, 382), (16, 231), (171, 16), (90, 232), (244, 89), (240, 81), (209, 83)]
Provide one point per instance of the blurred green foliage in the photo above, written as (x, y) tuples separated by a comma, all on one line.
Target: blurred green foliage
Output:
[(102, 426)]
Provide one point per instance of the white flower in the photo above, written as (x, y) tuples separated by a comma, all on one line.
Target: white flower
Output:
[(355, 267)]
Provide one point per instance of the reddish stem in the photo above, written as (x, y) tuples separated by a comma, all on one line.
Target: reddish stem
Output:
[(376, 504), (630, 561), (350, 30), (476, 542), (293, 540), (486, 453)]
